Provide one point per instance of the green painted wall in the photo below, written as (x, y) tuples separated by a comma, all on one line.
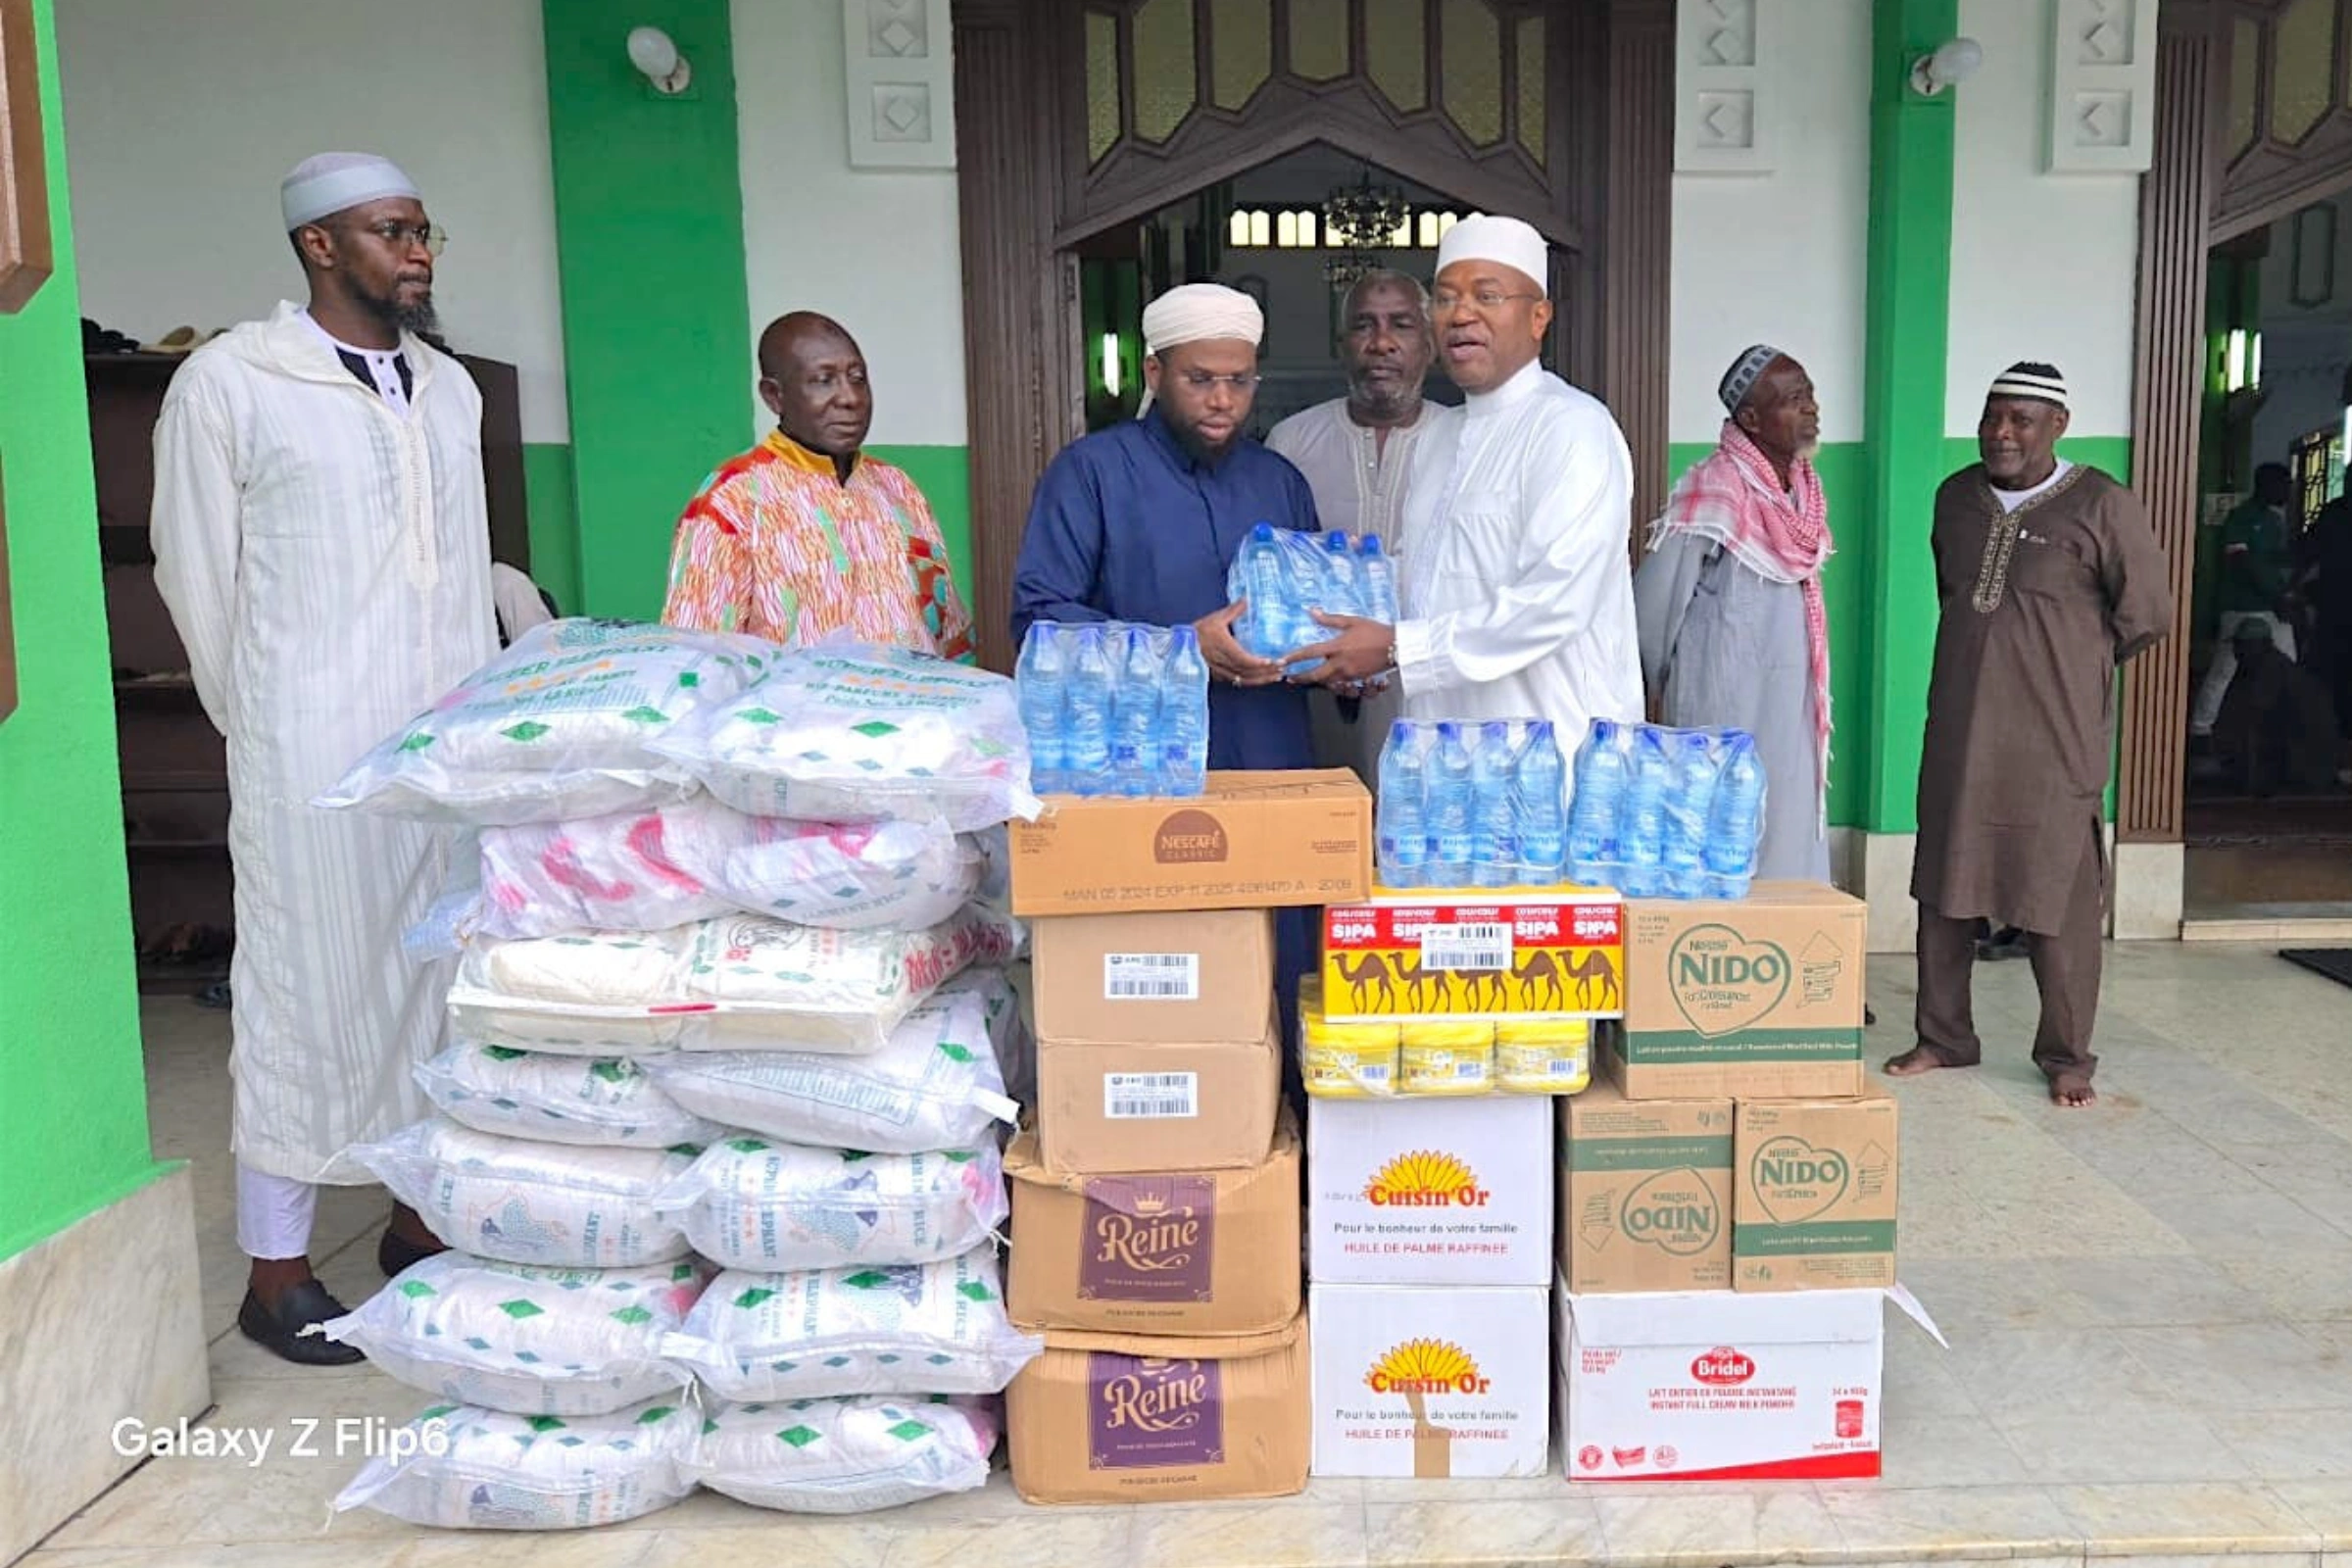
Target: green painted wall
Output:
[(656, 313), (74, 1116), (555, 522)]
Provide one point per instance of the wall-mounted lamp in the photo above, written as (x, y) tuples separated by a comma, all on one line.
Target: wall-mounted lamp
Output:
[(652, 52), (1950, 66), (2241, 361)]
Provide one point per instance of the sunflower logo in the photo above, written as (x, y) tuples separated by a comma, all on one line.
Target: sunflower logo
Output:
[(1425, 1179), (1426, 1366)]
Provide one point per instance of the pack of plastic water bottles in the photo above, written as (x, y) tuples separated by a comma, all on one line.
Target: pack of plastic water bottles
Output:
[(1113, 708), (1287, 576), (1472, 805), (1666, 813)]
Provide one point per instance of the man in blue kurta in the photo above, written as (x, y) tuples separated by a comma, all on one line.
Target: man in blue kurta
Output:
[(1140, 521)]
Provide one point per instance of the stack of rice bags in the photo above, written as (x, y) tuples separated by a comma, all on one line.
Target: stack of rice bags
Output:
[(719, 1131)]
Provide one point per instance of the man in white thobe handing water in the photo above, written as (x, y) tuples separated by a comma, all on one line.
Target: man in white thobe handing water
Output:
[(1517, 597), (323, 539)]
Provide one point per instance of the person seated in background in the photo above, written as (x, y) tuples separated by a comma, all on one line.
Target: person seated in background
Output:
[(2276, 729), (807, 534)]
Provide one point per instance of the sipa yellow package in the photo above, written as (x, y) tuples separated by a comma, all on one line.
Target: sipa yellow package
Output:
[(1447, 1058), (1343, 1060), (1542, 1056)]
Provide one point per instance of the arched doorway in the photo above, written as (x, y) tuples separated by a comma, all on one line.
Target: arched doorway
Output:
[(1076, 116)]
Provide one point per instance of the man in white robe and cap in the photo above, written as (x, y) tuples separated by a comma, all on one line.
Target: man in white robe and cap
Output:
[(322, 540), (1517, 597)]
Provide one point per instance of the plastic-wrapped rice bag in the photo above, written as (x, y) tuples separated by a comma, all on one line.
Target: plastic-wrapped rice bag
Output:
[(739, 982), (652, 870), (559, 1099), (936, 1082), (467, 1468), (748, 1203), (1008, 1028), (532, 1341), (558, 1205), (562, 725), (846, 1456), (847, 733), (937, 1327)]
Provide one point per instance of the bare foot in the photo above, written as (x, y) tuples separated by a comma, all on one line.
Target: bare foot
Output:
[(2072, 1091), (1911, 1063)]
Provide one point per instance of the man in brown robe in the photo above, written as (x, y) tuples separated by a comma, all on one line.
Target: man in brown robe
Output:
[(2047, 576)]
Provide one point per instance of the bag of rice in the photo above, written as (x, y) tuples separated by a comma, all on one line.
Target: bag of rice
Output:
[(1008, 1029), (559, 1099), (532, 1341), (562, 725), (937, 1327), (739, 982), (847, 733), (652, 870), (936, 1082), (779, 1208), (844, 1455), (463, 1467), (558, 1205)]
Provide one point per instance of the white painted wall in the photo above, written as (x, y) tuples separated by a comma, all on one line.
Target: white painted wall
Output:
[(875, 249), (181, 119), (2044, 266), (1779, 258)]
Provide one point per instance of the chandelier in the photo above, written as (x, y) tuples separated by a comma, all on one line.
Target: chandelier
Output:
[(1350, 268), (1365, 217)]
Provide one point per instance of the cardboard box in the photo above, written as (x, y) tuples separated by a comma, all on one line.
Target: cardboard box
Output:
[(1153, 979), (1814, 1206), (1251, 841), (1502, 954), (1431, 1383), (1756, 998), (1196, 1253), (1123, 1418), (1108, 1110), (1715, 1386), (1416, 1190), (1646, 1193)]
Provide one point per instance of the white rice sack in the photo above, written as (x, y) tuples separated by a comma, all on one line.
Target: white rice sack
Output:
[(467, 1468), (936, 1082), (844, 1455), (846, 733), (562, 725), (652, 869), (532, 1341), (740, 982), (554, 1205), (749, 1204), (1008, 1025), (559, 1099), (937, 1327)]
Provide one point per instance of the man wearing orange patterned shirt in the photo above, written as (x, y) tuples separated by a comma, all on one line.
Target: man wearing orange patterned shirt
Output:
[(804, 535)]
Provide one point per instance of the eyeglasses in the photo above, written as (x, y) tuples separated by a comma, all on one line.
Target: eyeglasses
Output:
[(429, 235), (1487, 300), (1203, 381)]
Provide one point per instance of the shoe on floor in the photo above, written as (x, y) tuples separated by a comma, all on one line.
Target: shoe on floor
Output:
[(2007, 942), (396, 1255), (280, 1332)]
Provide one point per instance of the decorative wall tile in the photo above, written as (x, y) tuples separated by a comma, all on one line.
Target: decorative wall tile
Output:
[(1722, 110), (901, 84), (2102, 86)]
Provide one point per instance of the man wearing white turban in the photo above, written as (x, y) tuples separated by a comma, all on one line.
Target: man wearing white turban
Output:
[(322, 540), (1518, 601)]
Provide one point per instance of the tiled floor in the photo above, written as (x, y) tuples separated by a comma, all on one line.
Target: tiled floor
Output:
[(2149, 1304)]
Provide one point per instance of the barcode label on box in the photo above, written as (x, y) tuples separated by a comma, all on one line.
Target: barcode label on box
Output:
[(1151, 977), (1151, 1096), (1481, 947)]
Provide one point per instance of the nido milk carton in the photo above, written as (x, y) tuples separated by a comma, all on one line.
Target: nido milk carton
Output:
[(1646, 1193), (1815, 1205)]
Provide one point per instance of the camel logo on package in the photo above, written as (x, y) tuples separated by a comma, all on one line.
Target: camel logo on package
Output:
[(1796, 1182), (1149, 1239), (1426, 1179), (1723, 1368), (1189, 838), (1148, 1411), (1427, 1367), (1722, 981), (1674, 1211)]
